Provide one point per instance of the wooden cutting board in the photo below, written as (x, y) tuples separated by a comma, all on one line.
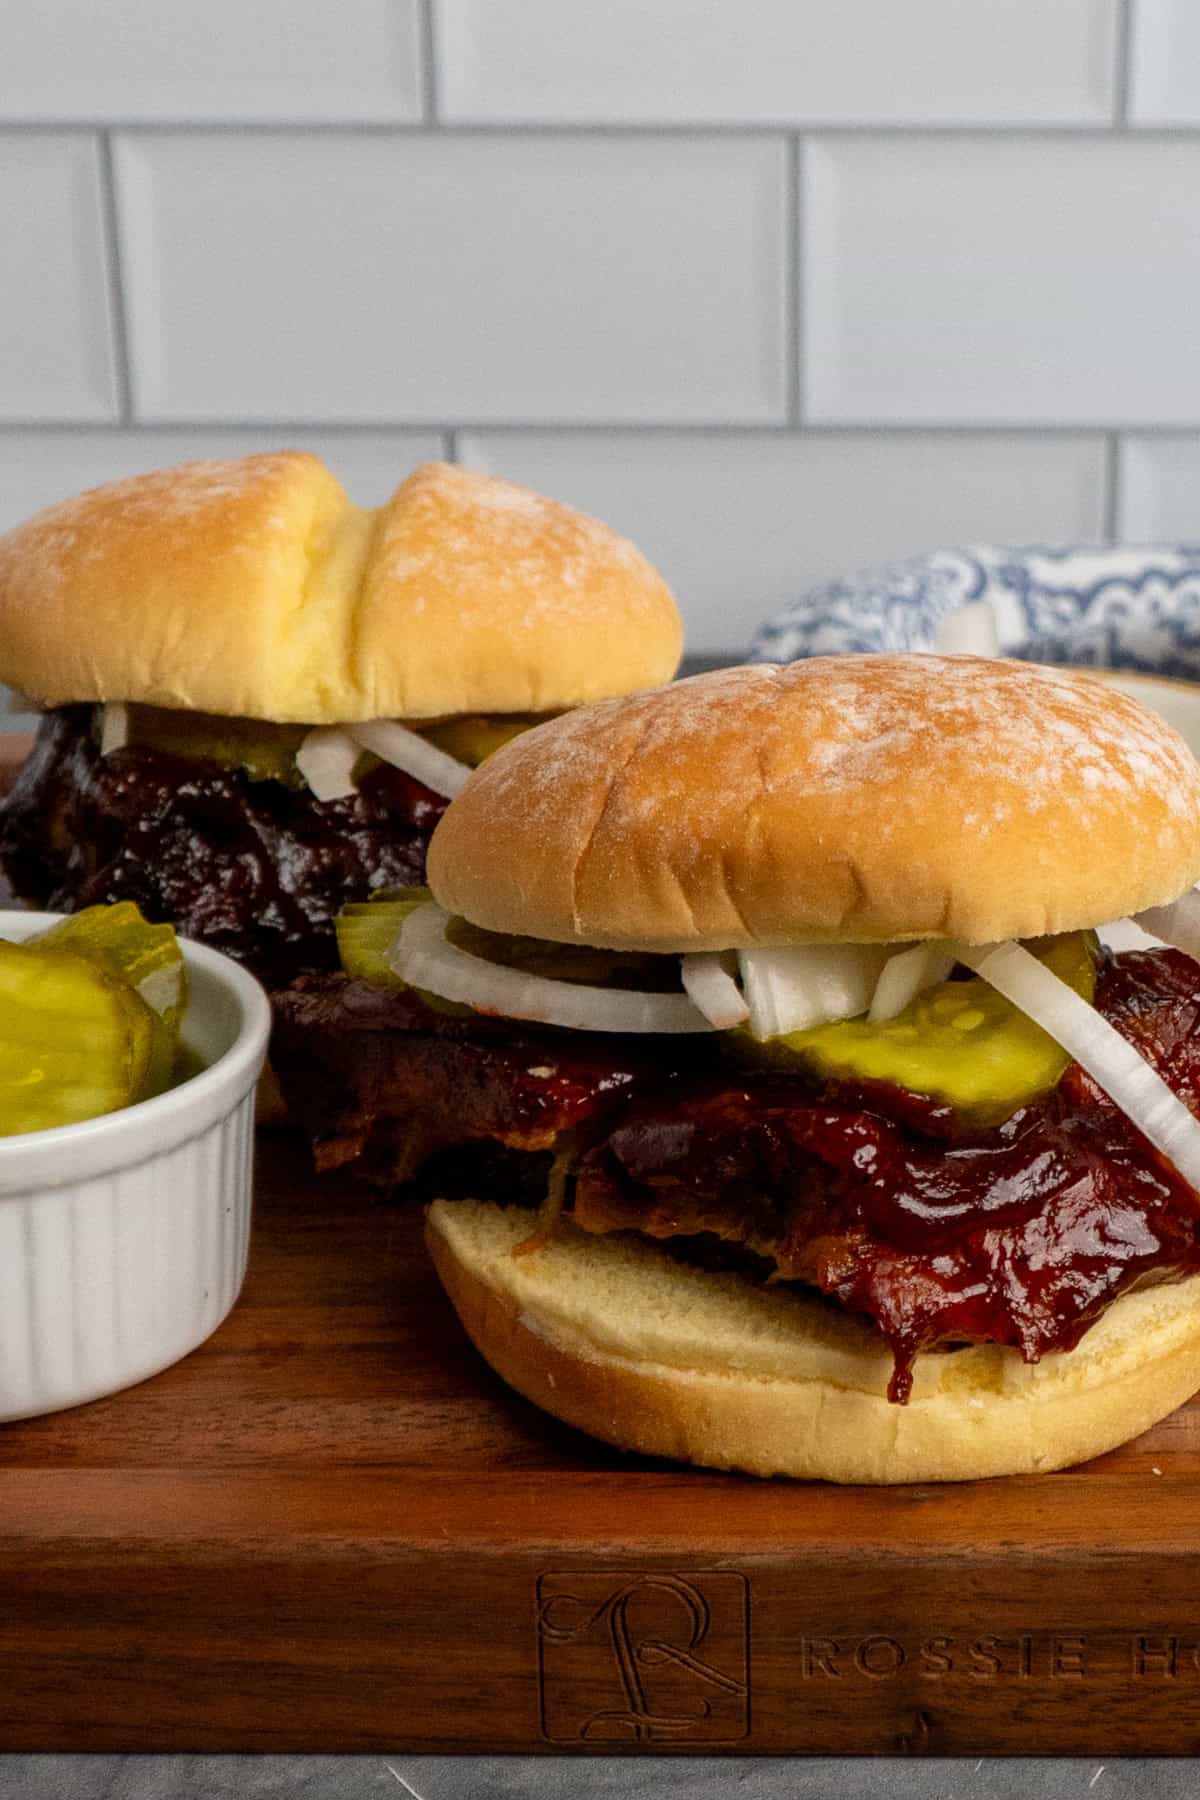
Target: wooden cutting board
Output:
[(333, 1529)]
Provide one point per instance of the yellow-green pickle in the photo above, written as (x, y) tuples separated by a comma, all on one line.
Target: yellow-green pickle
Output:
[(366, 930), (473, 737), (959, 1042), (90, 1015), (267, 752)]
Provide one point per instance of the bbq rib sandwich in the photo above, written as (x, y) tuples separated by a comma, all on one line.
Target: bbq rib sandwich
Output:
[(259, 696), (786, 1110)]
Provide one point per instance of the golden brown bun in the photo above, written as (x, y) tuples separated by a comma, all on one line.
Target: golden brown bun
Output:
[(611, 1335), (855, 798), (256, 588)]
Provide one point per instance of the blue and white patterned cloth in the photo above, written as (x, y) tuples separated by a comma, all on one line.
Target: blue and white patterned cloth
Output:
[(1128, 608)]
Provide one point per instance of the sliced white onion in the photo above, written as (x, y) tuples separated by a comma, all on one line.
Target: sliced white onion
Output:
[(422, 957), (1177, 924), (1112, 1062), (907, 974), (409, 751), (1125, 934), (114, 726), (326, 760), (713, 989), (795, 988)]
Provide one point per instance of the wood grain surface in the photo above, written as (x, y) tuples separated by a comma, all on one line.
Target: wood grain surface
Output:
[(332, 1529)]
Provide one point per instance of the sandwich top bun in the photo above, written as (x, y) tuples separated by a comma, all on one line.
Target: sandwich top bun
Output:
[(612, 1335), (256, 588), (846, 798)]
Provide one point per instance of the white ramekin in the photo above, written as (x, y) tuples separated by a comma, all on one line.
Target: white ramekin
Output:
[(123, 1240)]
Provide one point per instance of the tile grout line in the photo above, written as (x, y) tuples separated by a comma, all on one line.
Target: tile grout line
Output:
[(612, 429), (552, 130), (1112, 488), (430, 86), (794, 255), (1123, 68), (116, 280)]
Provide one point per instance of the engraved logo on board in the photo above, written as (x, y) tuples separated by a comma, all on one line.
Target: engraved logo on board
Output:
[(643, 1658)]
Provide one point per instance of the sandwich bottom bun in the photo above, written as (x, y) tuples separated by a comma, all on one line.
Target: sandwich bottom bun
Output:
[(612, 1335)]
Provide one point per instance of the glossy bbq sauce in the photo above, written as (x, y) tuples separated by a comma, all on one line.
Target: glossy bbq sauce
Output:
[(254, 868), (1018, 1235)]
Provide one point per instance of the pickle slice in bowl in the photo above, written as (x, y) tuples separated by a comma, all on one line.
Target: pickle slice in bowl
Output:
[(75, 1040), (146, 957)]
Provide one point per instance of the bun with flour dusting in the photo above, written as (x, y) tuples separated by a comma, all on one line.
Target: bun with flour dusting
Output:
[(922, 1205), (256, 588), (842, 799), (207, 641)]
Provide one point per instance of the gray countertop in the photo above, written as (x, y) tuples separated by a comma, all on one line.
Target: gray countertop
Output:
[(593, 1778)]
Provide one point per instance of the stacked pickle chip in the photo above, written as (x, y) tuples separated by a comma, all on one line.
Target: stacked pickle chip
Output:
[(91, 1012)]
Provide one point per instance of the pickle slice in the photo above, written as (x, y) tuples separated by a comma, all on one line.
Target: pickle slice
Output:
[(75, 1040), (147, 957), (266, 751), (959, 1042), (366, 931), (476, 736)]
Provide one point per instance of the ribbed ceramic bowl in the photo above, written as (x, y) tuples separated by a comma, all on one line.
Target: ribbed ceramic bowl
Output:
[(123, 1240)]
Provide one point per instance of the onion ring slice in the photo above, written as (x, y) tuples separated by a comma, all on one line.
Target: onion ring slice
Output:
[(713, 989), (1111, 1060), (907, 974), (114, 726), (797, 986), (326, 759), (422, 957), (1177, 924), (408, 750)]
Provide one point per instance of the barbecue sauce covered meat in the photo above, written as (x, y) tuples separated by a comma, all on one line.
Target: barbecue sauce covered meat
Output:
[(253, 867), (891, 1205)]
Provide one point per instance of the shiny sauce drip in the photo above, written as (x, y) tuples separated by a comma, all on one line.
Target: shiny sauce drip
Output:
[(893, 1207), (253, 868)]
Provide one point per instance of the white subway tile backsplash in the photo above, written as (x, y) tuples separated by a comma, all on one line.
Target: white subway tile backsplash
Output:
[(1159, 489), (155, 59), (1164, 63), (56, 345), (481, 277), (39, 467), (740, 523), (1003, 280), (546, 290), (923, 61)]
